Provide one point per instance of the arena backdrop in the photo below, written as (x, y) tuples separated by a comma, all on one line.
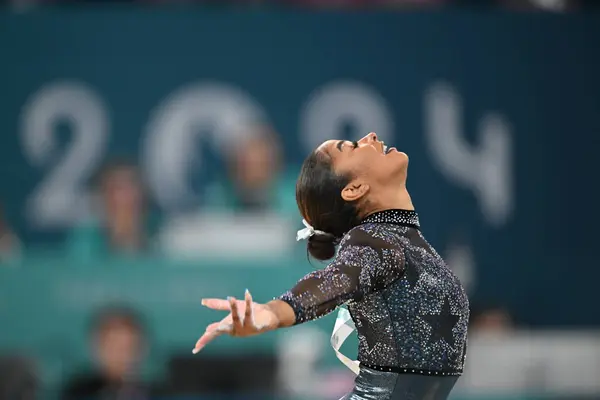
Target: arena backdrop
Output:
[(499, 114)]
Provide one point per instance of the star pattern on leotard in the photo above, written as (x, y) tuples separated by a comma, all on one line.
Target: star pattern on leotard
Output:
[(442, 324), (408, 308), (363, 322)]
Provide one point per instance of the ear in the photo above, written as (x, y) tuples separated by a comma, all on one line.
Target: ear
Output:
[(354, 191)]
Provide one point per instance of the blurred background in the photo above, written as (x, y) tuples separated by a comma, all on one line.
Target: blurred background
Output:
[(148, 157)]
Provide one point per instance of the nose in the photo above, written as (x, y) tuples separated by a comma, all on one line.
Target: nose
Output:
[(368, 139)]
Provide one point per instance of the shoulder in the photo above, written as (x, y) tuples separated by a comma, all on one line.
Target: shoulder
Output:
[(372, 235), (371, 240), (369, 243), (374, 249)]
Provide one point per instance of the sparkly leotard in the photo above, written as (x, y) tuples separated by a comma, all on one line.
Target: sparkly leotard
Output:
[(410, 310)]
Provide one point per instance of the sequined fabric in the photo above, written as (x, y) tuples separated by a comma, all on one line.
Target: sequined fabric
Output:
[(377, 385), (410, 310)]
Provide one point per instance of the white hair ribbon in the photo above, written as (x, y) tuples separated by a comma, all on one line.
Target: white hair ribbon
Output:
[(344, 326), (307, 232)]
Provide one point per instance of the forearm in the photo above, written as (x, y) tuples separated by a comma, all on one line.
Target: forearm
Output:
[(283, 311), (317, 294)]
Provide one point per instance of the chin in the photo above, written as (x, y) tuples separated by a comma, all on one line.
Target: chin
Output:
[(401, 157), (402, 166)]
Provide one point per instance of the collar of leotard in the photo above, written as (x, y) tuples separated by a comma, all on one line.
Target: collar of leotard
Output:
[(394, 216)]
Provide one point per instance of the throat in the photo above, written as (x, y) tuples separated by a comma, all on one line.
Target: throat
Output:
[(398, 200)]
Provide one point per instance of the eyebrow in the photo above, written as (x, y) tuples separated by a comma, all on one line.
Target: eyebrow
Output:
[(339, 145)]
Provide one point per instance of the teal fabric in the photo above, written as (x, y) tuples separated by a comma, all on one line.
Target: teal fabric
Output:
[(89, 241), (221, 196)]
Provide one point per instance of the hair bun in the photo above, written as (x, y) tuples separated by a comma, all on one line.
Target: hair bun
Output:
[(322, 246)]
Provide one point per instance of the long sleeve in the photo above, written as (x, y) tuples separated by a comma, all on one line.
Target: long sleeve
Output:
[(355, 272)]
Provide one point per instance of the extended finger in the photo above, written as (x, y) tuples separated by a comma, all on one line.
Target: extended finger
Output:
[(216, 304), (248, 317), (207, 337), (235, 315), (220, 304)]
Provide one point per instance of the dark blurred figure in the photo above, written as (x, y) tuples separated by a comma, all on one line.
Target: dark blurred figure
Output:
[(121, 225), (18, 379), (234, 376), (256, 181), (541, 5), (362, 3), (415, 3), (118, 343), (530, 5), (10, 246)]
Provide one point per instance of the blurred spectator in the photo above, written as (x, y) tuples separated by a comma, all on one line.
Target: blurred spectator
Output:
[(491, 320), (122, 224), (248, 212), (255, 180), (244, 375), (415, 3), (544, 5), (18, 379), (366, 3), (10, 246), (118, 345)]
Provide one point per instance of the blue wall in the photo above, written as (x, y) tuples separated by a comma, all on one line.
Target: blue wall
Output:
[(498, 113)]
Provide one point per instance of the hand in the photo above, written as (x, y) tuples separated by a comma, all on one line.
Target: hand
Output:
[(257, 318)]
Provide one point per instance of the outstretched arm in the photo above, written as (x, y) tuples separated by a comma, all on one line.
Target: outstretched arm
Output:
[(321, 292), (351, 275), (315, 295)]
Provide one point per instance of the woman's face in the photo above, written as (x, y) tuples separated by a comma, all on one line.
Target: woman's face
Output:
[(370, 162), (118, 348), (122, 190)]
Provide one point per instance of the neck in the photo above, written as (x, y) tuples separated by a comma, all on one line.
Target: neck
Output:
[(398, 199)]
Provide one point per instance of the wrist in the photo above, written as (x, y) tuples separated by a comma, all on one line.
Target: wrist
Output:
[(283, 313)]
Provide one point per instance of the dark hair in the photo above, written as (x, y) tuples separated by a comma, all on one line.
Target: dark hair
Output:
[(318, 194), (116, 164), (120, 315)]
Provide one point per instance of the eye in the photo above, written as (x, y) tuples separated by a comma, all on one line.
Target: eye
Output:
[(354, 145)]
